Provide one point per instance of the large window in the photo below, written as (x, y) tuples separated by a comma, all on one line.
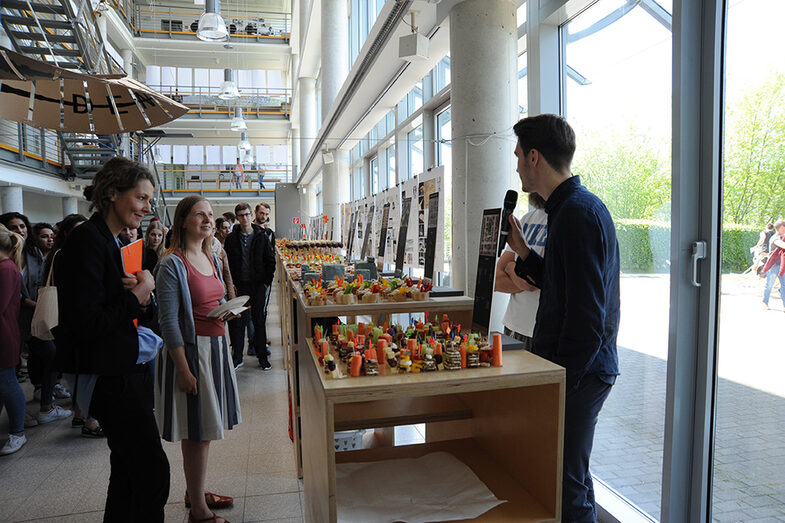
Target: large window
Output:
[(749, 449), (414, 144), (618, 99)]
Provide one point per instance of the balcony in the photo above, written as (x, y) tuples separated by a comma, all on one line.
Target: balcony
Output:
[(180, 22), (256, 103), (215, 181), (27, 145)]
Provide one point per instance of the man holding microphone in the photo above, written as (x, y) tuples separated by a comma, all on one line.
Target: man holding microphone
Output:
[(578, 316)]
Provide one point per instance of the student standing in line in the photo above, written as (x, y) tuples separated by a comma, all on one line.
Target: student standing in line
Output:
[(196, 389), (96, 335), (11, 395)]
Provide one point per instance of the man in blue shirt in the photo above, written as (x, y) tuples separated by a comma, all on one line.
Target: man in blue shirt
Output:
[(578, 316)]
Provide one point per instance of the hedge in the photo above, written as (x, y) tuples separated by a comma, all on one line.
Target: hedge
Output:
[(645, 246)]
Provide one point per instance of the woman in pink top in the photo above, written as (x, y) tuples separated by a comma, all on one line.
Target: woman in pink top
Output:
[(196, 389)]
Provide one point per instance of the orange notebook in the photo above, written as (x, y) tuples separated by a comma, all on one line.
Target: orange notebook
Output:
[(131, 255)]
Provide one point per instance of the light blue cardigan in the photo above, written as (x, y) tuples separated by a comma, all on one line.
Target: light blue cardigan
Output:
[(174, 296)]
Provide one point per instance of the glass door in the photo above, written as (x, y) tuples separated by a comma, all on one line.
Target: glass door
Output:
[(749, 448)]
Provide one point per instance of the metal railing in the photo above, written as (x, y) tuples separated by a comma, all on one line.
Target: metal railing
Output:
[(192, 179), (256, 102), (31, 143), (181, 22)]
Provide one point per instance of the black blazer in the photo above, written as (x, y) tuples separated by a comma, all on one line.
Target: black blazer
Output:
[(95, 333), (262, 256)]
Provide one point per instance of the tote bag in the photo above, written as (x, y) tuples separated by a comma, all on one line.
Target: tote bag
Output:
[(45, 314)]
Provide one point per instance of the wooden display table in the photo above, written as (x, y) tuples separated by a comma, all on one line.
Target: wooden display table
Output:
[(297, 320), (505, 423)]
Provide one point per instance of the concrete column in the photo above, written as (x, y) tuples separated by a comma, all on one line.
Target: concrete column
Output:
[(307, 94), (295, 153), (335, 50), (100, 21), (12, 199), (128, 62), (335, 188), (70, 205), (484, 95), (305, 14), (311, 195), (305, 210)]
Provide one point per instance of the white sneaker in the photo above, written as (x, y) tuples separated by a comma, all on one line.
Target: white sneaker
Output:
[(13, 444), (60, 392), (30, 420), (55, 414)]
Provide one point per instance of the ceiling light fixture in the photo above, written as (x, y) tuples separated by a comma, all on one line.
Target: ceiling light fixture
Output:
[(244, 144), (212, 27), (228, 87), (238, 122)]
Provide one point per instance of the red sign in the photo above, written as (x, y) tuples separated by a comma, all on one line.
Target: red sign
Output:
[(295, 220)]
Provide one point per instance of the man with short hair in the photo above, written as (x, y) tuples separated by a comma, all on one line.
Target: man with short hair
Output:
[(774, 265), (263, 216), (578, 315), (252, 263)]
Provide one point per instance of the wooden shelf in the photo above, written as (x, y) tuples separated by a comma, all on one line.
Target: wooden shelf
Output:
[(399, 411), (521, 507)]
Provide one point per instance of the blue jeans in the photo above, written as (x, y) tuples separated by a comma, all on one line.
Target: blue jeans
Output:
[(772, 275), (582, 407), (12, 397)]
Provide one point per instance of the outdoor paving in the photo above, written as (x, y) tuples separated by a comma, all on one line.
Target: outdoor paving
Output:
[(749, 458)]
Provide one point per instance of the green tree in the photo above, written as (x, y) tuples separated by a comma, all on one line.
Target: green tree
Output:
[(754, 177), (629, 171)]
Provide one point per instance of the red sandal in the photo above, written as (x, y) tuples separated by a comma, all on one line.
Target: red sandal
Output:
[(214, 518), (212, 500)]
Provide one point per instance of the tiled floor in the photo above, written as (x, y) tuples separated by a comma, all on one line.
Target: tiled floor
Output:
[(60, 476)]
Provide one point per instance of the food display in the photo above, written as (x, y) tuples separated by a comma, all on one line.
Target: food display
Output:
[(368, 350), (359, 290), (297, 253)]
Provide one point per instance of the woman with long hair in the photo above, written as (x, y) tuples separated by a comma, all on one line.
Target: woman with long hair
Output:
[(41, 360), (11, 395), (98, 303), (196, 389), (90, 428), (153, 244)]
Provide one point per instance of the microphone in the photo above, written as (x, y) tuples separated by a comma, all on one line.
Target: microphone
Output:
[(510, 201)]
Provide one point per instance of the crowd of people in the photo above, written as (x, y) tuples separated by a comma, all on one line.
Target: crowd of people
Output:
[(138, 355)]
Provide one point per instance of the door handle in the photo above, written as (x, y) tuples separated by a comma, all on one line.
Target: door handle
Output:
[(698, 253)]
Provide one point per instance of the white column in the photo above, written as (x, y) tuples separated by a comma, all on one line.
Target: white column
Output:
[(335, 67), (70, 205), (305, 13), (12, 199), (295, 153), (335, 50), (307, 94), (335, 188), (483, 97), (311, 195), (305, 203), (128, 62), (100, 21)]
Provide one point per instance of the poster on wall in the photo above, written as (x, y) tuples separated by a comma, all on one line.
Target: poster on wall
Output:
[(430, 238), (383, 224), (365, 252), (486, 269), (406, 207), (409, 189), (430, 182)]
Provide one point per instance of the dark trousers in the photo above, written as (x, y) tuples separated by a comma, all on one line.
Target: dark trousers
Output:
[(139, 479), (39, 367), (581, 409), (257, 315)]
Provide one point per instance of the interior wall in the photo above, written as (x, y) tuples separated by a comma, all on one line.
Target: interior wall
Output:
[(43, 208)]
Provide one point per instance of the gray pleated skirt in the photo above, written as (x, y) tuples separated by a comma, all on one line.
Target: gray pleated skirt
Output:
[(215, 408)]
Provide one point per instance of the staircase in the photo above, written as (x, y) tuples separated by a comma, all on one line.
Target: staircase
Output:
[(63, 33)]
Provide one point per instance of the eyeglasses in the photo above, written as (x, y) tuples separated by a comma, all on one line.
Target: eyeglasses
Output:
[(244, 215)]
